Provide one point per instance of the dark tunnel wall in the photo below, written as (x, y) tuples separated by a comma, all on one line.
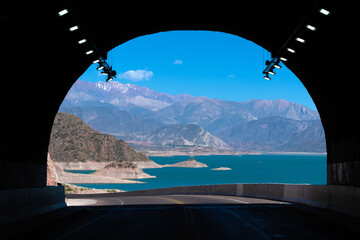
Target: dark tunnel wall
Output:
[(41, 60)]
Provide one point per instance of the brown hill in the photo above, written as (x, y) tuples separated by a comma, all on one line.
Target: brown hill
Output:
[(72, 140)]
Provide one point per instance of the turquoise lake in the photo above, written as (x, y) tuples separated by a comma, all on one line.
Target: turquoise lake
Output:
[(295, 169)]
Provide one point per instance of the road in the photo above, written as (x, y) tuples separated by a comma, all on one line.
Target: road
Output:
[(185, 217), (167, 199)]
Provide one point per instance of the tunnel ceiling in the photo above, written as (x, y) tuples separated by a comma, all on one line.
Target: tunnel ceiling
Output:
[(40, 52)]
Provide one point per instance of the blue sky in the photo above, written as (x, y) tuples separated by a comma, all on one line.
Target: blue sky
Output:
[(201, 63)]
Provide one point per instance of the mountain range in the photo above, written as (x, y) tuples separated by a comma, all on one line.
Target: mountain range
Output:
[(135, 113)]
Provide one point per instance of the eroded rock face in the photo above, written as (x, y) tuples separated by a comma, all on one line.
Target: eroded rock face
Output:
[(72, 140), (52, 177)]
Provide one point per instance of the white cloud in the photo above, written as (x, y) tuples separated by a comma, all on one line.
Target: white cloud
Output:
[(178, 62), (136, 75)]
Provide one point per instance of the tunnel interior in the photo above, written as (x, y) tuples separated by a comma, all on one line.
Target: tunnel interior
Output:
[(42, 60)]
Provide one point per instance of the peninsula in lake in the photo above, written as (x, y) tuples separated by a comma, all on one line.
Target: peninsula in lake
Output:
[(76, 146)]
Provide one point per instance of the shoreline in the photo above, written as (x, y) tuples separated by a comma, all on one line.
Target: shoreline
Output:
[(175, 153)]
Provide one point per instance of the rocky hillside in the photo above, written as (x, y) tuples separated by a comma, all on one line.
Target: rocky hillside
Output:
[(185, 135), (72, 140), (277, 134)]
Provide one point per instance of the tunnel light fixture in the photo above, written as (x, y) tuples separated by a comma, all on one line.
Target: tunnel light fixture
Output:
[(106, 69), (285, 50), (96, 55), (73, 28), (267, 77), (82, 41), (270, 65), (63, 12), (300, 40), (310, 27), (291, 50), (324, 11)]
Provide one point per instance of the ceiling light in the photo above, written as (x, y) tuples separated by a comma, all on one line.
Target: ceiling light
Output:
[(300, 40), (277, 66), (267, 77), (312, 28), (291, 50), (283, 59), (100, 67), (63, 12), (96, 61), (73, 28), (272, 73), (325, 12), (89, 52), (82, 41)]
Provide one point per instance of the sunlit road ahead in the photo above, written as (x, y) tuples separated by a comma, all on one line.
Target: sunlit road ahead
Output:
[(185, 217)]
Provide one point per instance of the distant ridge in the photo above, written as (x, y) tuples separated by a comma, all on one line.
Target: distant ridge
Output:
[(135, 113)]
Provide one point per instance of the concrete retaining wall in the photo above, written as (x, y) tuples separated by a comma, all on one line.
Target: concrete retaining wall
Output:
[(16, 204), (339, 198)]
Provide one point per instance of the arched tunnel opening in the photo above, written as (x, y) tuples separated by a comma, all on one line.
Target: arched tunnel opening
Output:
[(202, 116), (43, 58)]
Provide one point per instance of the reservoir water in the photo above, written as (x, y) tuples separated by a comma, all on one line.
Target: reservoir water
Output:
[(294, 169)]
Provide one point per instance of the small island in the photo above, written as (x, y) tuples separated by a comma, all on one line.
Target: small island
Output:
[(221, 169), (191, 163)]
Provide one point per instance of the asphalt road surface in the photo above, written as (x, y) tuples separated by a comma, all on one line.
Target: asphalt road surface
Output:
[(185, 217)]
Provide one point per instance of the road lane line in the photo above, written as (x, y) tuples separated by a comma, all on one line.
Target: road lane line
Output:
[(172, 200), (231, 199), (121, 202)]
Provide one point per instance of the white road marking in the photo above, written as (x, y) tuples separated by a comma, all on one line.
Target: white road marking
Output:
[(80, 202), (121, 202)]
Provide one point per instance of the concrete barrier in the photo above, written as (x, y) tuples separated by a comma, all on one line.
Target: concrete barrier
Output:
[(17, 204), (343, 199)]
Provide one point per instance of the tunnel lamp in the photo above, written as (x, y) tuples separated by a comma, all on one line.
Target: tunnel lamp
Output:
[(96, 61), (63, 12), (300, 40), (73, 28), (89, 52), (82, 41), (100, 67), (291, 50), (310, 27), (324, 11), (277, 66), (267, 77), (272, 72), (283, 59)]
